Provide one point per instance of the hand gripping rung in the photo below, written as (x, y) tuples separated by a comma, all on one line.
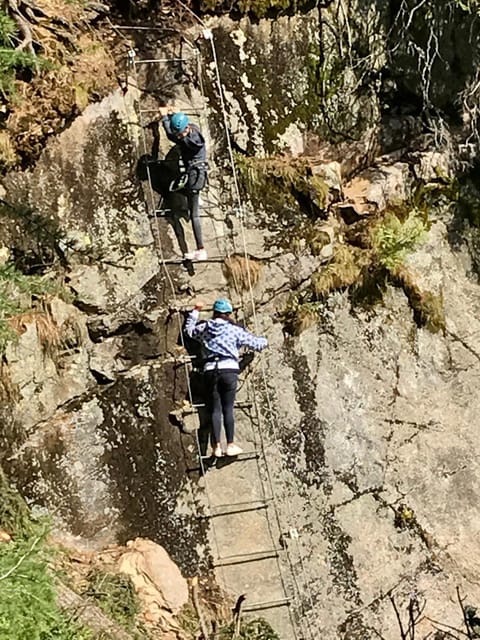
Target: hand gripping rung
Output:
[(246, 557)]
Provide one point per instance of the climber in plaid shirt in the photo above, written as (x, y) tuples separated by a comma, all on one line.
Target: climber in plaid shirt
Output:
[(222, 338)]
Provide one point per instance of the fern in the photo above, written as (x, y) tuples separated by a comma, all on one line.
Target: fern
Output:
[(393, 239)]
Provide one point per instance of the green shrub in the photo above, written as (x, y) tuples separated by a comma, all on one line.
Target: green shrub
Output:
[(394, 239), (115, 595), (471, 6), (28, 607)]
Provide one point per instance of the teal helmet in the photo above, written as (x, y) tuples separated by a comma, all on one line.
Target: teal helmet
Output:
[(222, 305), (178, 122)]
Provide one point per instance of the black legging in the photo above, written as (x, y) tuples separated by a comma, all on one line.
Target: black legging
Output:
[(221, 388), (194, 210)]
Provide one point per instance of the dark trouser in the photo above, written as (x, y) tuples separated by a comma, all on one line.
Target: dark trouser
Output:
[(190, 184), (194, 210), (221, 388)]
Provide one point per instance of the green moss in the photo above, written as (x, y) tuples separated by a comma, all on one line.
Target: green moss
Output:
[(115, 595), (289, 195), (300, 313), (257, 8), (344, 270), (427, 307)]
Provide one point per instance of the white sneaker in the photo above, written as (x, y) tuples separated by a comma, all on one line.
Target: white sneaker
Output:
[(198, 255), (217, 452), (233, 450)]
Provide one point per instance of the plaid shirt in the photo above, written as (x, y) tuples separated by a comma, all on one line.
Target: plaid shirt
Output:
[(222, 338)]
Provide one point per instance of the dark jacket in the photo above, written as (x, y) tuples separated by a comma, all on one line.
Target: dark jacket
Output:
[(192, 146)]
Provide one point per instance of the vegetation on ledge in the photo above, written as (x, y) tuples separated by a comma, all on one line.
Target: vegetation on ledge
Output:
[(52, 64), (28, 607), (366, 268)]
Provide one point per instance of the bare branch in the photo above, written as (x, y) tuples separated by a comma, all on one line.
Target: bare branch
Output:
[(464, 613)]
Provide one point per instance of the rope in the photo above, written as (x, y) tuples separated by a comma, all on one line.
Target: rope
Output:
[(267, 393)]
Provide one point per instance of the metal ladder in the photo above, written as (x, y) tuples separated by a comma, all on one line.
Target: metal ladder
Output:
[(264, 503)]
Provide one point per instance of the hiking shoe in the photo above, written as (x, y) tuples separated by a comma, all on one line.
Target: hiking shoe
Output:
[(198, 255), (217, 452), (233, 450)]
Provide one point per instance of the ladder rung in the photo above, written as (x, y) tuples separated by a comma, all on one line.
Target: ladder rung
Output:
[(153, 60), (245, 455), (237, 507), (272, 604), (202, 205), (174, 261), (166, 215), (187, 111), (239, 405), (246, 557)]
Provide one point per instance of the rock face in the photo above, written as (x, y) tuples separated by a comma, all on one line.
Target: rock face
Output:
[(157, 580), (366, 419), (94, 379)]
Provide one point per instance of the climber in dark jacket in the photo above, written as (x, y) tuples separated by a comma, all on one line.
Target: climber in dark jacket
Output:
[(191, 144), (221, 339), (160, 174)]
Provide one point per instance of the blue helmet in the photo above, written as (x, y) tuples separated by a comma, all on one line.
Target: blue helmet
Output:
[(178, 122), (222, 305)]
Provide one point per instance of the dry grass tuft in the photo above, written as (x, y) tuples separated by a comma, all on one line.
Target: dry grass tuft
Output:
[(242, 272), (48, 331), (427, 307), (8, 156), (344, 270), (304, 318)]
